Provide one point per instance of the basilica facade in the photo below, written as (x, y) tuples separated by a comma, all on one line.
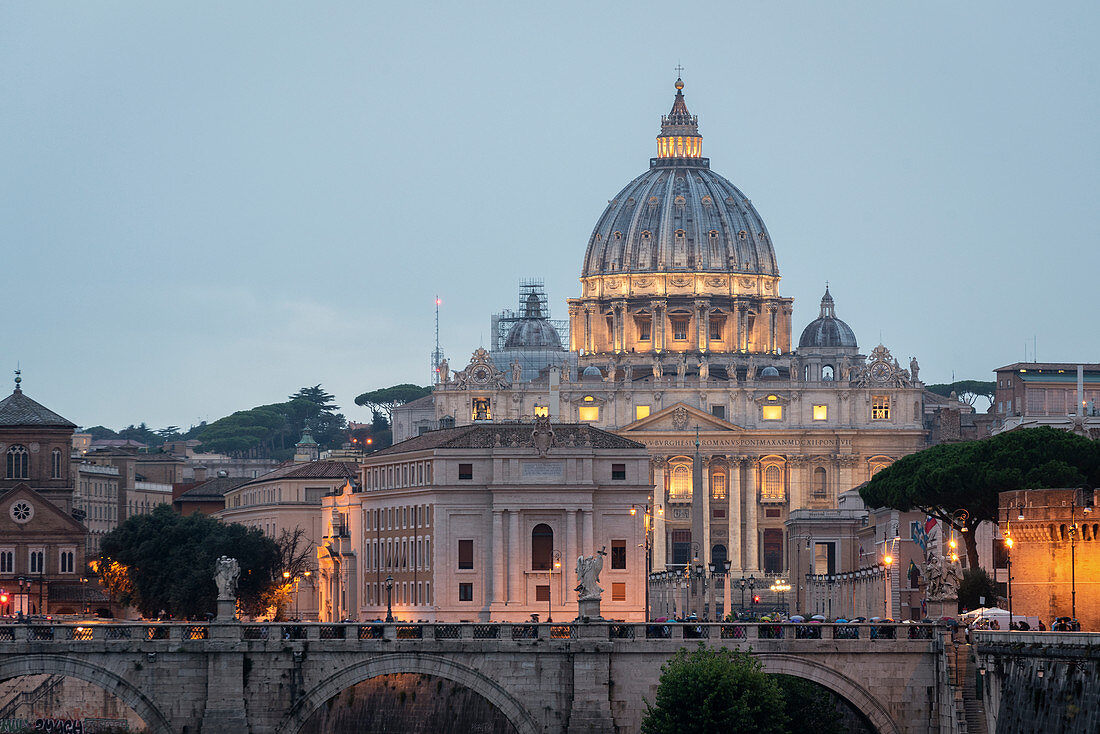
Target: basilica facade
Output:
[(680, 340)]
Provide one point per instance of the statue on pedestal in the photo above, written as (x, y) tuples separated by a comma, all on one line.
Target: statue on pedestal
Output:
[(226, 571), (444, 372), (588, 575)]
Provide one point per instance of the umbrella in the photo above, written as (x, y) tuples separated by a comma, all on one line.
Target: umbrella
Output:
[(818, 617), (798, 618), (841, 621)]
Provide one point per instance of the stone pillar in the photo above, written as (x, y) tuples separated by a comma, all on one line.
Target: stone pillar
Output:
[(736, 534), (589, 329), (660, 539), (575, 326), (498, 557), (587, 547), (620, 326), (701, 308), (705, 543), (740, 309), (591, 709), (659, 316), (771, 328), (515, 559), (571, 552), (224, 710), (751, 560)]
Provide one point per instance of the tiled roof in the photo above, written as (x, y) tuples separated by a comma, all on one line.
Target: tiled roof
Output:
[(19, 410), (311, 470), (509, 435), (215, 488)]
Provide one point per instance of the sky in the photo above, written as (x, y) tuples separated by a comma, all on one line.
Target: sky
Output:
[(206, 206)]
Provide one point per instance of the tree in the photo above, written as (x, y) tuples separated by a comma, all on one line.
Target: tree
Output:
[(974, 584), (967, 391), (99, 433), (164, 561), (715, 690), (959, 483), (383, 401), (810, 707)]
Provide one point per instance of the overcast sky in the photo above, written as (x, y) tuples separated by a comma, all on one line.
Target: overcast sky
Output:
[(205, 207)]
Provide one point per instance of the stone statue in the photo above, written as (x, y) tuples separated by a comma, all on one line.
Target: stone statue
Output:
[(564, 371), (444, 372), (751, 373), (226, 571), (704, 369), (628, 373), (610, 370), (588, 575), (542, 437), (517, 372), (913, 367), (658, 370), (943, 577), (681, 368)]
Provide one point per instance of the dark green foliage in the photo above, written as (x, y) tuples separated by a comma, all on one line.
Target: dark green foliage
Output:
[(715, 690), (974, 584), (168, 563), (99, 433), (811, 708), (965, 390), (383, 401), (968, 476)]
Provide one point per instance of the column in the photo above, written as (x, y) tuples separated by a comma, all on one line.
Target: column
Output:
[(705, 544), (700, 333), (621, 315), (771, 327), (498, 557), (751, 560), (588, 547), (575, 326), (589, 329), (515, 559), (569, 562), (660, 539), (736, 535)]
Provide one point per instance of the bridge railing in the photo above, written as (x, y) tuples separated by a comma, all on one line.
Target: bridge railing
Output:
[(349, 631)]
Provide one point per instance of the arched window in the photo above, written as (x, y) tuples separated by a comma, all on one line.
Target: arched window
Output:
[(56, 464), (827, 373), (718, 486), (18, 463), (542, 547), (718, 554), (819, 482), (680, 487), (773, 483)]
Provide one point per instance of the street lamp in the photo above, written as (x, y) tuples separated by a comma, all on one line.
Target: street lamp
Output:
[(781, 587), (887, 561), (556, 566), (389, 598), (1086, 507), (741, 583), (1008, 548)]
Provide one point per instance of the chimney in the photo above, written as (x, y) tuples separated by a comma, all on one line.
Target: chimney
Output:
[(199, 474)]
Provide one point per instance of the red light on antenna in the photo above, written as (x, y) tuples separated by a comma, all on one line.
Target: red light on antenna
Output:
[(439, 301)]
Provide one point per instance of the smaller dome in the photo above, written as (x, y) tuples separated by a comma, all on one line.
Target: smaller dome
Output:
[(592, 373), (827, 330), (769, 373), (532, 333)]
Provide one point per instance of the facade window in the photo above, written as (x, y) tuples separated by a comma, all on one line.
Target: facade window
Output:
[(36, 561), (719, 513), (18, 462), (542, 592), (717, 325), (880, 407), (819, 487), (641, 411), (772, 412), (466, 592), (681, 547), (465, 555), (542, 411), (7, 561), (821, 412), (67, 561), (618, 555), (645, 329), (718, 411), (465, 471), (618, 591), (618, 472), (827, 373), (589, 412), (773, 483), (542, 547), (718, 554), (680, 328), (680, 486), (878, 465), (1036, 401), (481, 409), (55, 464), (718, 486)]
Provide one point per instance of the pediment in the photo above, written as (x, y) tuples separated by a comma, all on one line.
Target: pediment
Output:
[(680, 417), (45, 516)]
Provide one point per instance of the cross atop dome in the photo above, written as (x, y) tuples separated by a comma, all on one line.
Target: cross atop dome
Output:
[(679, 136)]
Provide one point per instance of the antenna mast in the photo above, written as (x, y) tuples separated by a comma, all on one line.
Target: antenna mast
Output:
[(437, 355)]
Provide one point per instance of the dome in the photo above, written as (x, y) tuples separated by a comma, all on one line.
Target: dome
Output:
[(827, 330), (532, 334), (591, 373), (679, 215), (769, 373)]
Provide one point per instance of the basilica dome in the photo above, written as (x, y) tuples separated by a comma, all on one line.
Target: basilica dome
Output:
[(827, 330), (679, 216), (532, 331)]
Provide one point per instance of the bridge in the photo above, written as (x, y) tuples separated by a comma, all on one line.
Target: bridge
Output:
[(260, 678)]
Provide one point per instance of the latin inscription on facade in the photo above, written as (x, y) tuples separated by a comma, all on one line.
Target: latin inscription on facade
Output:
[(542, 469), (688, 442)]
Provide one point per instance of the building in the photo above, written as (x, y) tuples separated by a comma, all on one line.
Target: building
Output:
[(486, 522), (684, 344), (1057, 394), (145, 479), (42, 546), (96, 501), (286, 500), (205, 497)]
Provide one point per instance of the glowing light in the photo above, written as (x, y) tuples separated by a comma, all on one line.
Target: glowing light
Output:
[(1009, 542), (439, 301), (633, 510), (888, 559)]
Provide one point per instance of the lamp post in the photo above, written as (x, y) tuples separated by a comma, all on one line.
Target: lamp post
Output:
[(389, 598), (286, 581), (781, 587), (752, 596), (1086, 507), (741, 582), (646, 524), (555, 556), (887, 561)]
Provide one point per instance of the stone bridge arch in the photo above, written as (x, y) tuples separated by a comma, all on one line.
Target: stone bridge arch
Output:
[(108, 680), (836, 682), (441, 667)]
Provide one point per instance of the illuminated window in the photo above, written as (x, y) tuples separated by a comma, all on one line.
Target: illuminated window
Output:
[(541, 411), (773, 412), (821, 412), (589, 412), (641, 411), (880, 407), (773, 483), (680, 328), (680, 486), (718, 486), (481, 409), (819, 482)]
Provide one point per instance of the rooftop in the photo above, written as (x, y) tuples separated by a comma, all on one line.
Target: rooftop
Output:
[(509, 435), (310, 470), (19, 410)]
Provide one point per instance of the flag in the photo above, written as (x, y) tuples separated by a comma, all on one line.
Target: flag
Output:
[(929, 524)]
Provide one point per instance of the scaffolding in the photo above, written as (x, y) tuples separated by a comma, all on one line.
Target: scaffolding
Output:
[(533, 303)]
